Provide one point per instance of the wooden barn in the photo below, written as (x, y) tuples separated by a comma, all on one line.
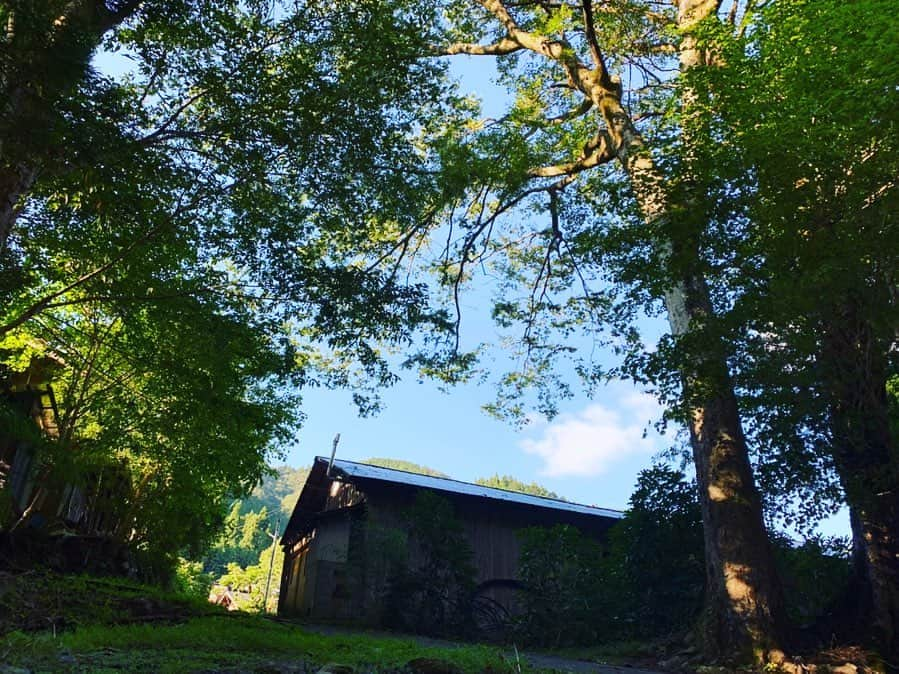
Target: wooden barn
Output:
[(347, 512)]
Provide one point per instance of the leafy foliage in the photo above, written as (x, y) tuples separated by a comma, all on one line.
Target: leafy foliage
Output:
[(191, 581), (247, 530), (277, 492), (560, 570), (801, 233), (662, 523), (815, 575), (431, 593), (248, 584), (217, 233)]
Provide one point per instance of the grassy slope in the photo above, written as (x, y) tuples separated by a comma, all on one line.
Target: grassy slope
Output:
[(229, 642), (51, 622)]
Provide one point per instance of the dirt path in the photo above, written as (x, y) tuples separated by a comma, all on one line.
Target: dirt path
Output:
[(541, 660)]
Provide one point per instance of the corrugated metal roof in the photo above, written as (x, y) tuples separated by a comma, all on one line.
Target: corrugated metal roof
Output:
[(350, 469)]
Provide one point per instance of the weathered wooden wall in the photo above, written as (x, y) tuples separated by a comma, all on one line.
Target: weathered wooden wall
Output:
[(315, 584), (343, 571)]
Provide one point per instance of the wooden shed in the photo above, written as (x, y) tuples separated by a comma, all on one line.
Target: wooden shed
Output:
[(34, 493), (345, 505)]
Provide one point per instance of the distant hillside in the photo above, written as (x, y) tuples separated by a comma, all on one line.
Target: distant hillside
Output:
[(513, 484), (408, 466), (277, 493)]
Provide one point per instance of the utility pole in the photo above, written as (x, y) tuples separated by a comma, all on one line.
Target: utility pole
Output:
[(333, 453), (271, 564)]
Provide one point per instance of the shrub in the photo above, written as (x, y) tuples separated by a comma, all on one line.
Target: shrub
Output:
[(654, 575), (190, 580), (431, 592), (647, 581), (560, 569), (814, 575)]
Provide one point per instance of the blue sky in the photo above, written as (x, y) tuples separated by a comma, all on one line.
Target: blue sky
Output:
[(590, 453)]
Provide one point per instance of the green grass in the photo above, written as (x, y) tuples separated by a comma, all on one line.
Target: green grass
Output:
[(41, 600), (211, 642)]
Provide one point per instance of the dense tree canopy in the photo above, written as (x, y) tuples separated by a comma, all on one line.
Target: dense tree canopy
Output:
[(252, 206), (805, 224), (201, 236)]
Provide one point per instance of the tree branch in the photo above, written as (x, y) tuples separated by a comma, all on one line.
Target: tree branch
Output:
[(557, 50), (190, 100), (597, 151), (501, 48), (590, 33), (574, 113)]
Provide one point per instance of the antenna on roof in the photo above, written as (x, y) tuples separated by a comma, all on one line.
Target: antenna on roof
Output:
[(333, 452)]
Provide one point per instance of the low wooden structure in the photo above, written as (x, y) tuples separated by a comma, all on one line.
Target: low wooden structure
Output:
[(345, 507), (34, 494)]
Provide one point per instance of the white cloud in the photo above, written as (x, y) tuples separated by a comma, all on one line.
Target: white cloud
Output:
[(589, 442)]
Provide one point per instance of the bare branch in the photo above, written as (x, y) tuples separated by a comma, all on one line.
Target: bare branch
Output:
[(598, 151), (504, 46), (574, 113), (189, 101), (498, 10), (590, 33), (732, 15)]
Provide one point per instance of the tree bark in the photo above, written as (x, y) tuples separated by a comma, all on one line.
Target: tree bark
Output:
[(854, 366), (744, 604), (743, 618), (743, 615)]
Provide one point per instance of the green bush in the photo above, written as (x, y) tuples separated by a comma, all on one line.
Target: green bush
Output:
[(654, 574), (561, 572), (814, 575), (646, 581), (190, 580), (431, 592)]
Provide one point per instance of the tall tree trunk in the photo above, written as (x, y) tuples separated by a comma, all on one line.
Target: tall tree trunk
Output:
[(854, 366), (743, 598), (744, 605)]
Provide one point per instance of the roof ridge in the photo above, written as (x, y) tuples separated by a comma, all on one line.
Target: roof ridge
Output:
[(559, 501)]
